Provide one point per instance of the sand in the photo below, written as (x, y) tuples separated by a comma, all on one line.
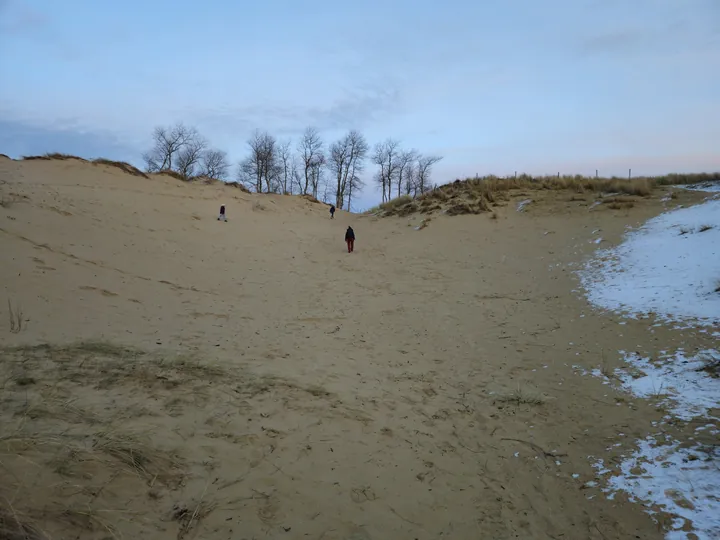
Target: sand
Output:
[(251, 379)]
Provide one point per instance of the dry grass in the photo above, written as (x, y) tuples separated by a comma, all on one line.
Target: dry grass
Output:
[(237, 185), (475, 195), (172, 174), (521, 397), (17, 317), (14, 527), (621, 205), (53, 156), (704, 228), (123, 166), (310, 198), (71, 464), (711, 365), (90, 444)]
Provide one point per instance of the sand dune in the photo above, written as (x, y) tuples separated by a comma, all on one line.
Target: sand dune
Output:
[(180, 377)]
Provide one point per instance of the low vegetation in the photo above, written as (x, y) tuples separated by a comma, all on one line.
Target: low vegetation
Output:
[(476, 195), (92, 441), (53, 156), (122, 165)]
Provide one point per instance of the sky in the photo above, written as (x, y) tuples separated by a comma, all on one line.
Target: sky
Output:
[(493, 87)]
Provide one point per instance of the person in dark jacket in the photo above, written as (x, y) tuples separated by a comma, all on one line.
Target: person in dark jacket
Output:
[(332, 211), (350, 239)]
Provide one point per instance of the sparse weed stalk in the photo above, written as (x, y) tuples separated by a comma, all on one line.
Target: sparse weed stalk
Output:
[(17, 320)]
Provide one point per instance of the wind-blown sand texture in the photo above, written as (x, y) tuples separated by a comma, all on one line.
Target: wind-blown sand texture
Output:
[(174, 376)]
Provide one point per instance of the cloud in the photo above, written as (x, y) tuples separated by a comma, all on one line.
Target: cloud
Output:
[(18, 139), (356, 109), (17, 17)]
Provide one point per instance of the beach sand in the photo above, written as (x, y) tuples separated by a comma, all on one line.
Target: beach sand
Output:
[(177, 376)]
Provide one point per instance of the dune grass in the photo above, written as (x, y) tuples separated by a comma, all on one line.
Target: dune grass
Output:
[(122, 165), (53, 156), (476, 195), (171, 173)]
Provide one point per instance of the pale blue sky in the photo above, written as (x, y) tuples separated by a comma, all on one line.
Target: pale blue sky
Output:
[(492, 86)]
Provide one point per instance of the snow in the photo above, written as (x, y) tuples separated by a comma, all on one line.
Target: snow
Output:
[(522, 204), (669, 267), (678, 381), (680, 481), (705, 186)]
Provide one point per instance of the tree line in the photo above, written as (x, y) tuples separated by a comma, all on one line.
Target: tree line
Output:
[(331, 172)]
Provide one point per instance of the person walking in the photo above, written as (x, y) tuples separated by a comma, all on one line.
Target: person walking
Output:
[(332, 211), (350, 239)]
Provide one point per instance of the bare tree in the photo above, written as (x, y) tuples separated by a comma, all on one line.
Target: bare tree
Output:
[(346, 161), (316, 174), (191, 155), (214, 164), (310, 148), (285, 163), (404, 168), (295, 176), (422, 172), (167, 145), (410, 187), (260, 168), (386, 157), (354, 184)]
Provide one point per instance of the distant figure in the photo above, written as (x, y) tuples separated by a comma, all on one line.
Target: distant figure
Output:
[(222, 216), (332, 211), (350, 239)]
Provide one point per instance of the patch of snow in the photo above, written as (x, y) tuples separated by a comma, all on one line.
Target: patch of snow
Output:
[(680, 382), (663, 474), (712, 187), (659, 270), (680, 481), (522, 204), (598, 240)]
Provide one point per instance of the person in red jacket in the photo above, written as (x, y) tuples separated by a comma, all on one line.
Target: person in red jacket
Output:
[(350, 239)]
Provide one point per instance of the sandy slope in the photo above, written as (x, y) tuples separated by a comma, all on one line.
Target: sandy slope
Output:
[(421, 387)]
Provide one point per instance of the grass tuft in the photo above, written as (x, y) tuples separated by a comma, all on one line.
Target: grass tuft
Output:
[(123, 166), (53, 156), (172, 174)]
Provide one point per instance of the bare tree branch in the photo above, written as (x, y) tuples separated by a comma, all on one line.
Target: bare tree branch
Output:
[(167, 144), (214, 164), (260, 168), (386, 157), (310, 148), (422, 172), (404, 166), (285, 159), (190, 155), (347, 157)]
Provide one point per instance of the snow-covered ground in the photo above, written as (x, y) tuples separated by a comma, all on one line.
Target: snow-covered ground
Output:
[(705, 186), (670, 267)]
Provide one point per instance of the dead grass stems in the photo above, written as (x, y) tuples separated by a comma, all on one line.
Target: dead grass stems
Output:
[(476, 195), (17, 317)]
